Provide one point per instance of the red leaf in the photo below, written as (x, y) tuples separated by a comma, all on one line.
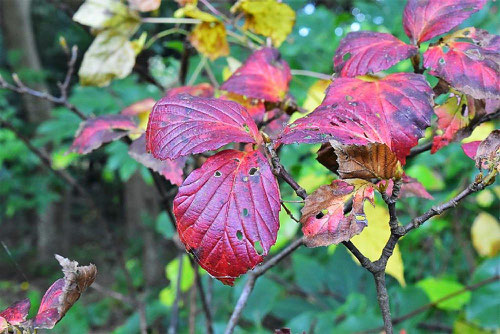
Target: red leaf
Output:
[(200, 90), (394, 111), (184, 124), (410, 188), (472, 68), (369, 52), (470, 149), (225, 208), (453, 115), (139, 107), (264, 75), (94, 132), (426, 19), (170, 169), (15, 313), (323, 219)]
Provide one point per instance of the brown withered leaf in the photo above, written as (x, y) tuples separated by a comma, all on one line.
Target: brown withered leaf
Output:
[(372, 161), (327, 157), (488, 152)]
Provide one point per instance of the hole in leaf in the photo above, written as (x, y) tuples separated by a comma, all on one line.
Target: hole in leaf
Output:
[(245, 178), (217, 173), (247, 129), (446, 48), (321, 214), (258, 248), (442, 61), (464, 108), (346, 56), (236, 159), (348, 97), (239, 235), (252, 171), (245, 212)]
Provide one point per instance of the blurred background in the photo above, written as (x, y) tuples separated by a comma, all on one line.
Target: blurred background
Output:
[(319, 290)]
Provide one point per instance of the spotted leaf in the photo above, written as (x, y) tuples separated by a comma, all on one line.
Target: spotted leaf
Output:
[(369, 52), (96, 131), (169, 169), (264, 76), (14, 314), (426, 19), (184, 125), (227, 213), (394, 111), (323, 219)]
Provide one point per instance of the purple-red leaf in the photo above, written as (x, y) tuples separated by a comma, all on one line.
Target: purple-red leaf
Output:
[(14, 314), (184, 125), (471, 67), (410, 187), (425, 19), (369, 52), (470, 149), (170, 169), (323, 219), (264, 76), (200, 90), (394, 111), (227, 213), (94, 132)]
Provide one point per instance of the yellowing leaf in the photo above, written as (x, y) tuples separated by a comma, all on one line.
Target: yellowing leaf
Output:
[(267, 17), (315, 95), (232, 65), (195, 13), (480, 133), (110, 56), (374, 237), (102, 14), (485, 234), (138, 44), (209, 38)]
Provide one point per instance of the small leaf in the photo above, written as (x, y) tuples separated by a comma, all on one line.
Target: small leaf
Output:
[(269, 18), (225, 209), (200, 90), (374, 160), (61, 296), (184, 125), (110, 56), (364, 52), (426, 19), (264, 75), (410, 187), (471, 66), (170, 169), (145, 5), (104, 14), (323, 219), (372, 240), (394, 111), (485, 235), (436, 289), (315, 94), (14, 314), (96, 131), (453, 116)]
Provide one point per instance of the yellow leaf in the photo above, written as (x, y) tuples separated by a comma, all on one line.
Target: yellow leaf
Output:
[(209, 38), (138, 44), (267, 17), (193, 12), (485, 234), (480, 133), (315, 95), (110, 56), (103, 14), (374, 237), (232, 65)]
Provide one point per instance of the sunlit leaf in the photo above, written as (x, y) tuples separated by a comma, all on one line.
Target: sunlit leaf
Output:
[(270, 18), (436, 289), (227, 213), (315, 94), (364, 52), (485, 234)]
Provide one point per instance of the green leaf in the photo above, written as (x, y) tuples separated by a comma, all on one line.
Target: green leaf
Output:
[(172, 270), (436, 289)]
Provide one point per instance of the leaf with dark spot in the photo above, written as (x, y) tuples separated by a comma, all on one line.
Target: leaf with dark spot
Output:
[(323, 219), (225, 208), (183, 125), (369, 52)]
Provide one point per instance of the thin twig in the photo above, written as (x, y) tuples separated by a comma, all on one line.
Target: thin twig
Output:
[(205, 304), (174, 316), (311, 74)]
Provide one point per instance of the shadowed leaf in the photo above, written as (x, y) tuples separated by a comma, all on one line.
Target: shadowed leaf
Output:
[(226, 209)]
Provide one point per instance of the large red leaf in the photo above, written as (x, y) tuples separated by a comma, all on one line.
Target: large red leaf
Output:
[(14, 314), (170, 169), (96, 131), (323, 219), (264, 75), (184, 124), (425, 19), (201, 90), (369, 52), (226, 209), (394, 111), (470, 67)]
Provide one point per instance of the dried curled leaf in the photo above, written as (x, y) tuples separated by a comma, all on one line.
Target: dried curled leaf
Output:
[(371, 161), (96, 131), (264, 75), (426, 19), (364, 52), (323, 219), (469, 60), (15, 314), (267, 17), (184, 124), (169, 169), (227, 213)]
